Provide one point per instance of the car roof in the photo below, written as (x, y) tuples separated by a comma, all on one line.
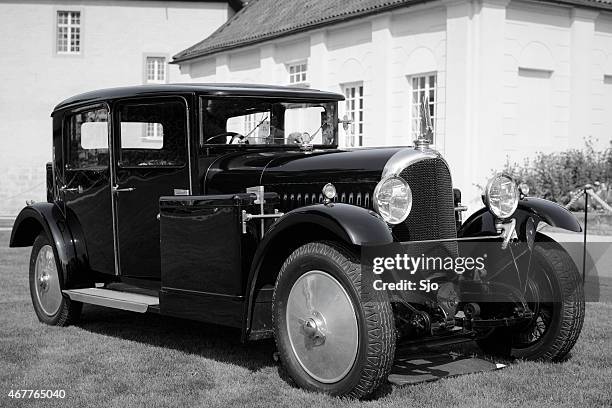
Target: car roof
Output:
[(221, 90)]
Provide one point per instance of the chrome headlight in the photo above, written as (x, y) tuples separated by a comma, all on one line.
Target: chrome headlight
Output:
[(502, 196), (393, 199)]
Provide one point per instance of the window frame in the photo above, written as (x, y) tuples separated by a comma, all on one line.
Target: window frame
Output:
[(359, 122), (145, 70), (66, 137), (414, 133), (56, 23), (294, 64), (116, 136)]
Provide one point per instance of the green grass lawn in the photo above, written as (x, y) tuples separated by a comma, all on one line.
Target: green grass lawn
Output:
[(120, 359)]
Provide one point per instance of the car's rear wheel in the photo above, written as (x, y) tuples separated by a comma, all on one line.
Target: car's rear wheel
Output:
[(50, 305), (555, 294), (333, 335)]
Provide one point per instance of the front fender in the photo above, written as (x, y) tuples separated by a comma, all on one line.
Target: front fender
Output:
[(48, 218), (482, 222), (551, 213), (356, 225), (350, 224)]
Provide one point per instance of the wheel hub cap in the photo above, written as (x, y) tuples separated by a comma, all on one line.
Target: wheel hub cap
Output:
[(47, 286), (314, 329), (322, 326), (44, 281)]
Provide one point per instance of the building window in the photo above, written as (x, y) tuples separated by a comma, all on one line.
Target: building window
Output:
[(255, 127), (156, 70), (297, 73), (154, 132), (68, 32), (353, 109), (422, 86), (250, 121)]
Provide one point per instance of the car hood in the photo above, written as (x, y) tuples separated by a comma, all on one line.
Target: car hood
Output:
[(284, 170)]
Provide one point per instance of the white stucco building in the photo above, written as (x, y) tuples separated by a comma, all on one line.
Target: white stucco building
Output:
[(51, 50), (505, 78)]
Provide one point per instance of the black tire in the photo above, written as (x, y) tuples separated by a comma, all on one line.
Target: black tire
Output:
[(68, 311), (375, 349), (559, 314)]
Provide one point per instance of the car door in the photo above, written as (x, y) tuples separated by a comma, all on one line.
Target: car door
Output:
[(151, 160), (85, 192)]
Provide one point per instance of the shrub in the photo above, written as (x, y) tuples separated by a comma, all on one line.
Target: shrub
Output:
[(555, 176)]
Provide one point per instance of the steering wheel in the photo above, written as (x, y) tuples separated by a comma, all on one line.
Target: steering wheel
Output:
[(224, 135)]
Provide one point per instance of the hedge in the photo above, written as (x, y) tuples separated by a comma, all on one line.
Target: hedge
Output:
[(555, 176)]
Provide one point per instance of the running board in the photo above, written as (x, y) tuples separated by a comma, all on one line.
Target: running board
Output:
[(133, 302)]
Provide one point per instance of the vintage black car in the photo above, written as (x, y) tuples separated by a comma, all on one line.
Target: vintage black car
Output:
[(233, 205)]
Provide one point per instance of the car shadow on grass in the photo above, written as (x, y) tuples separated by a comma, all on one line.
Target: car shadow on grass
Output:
[(222, 344), (213, 342)]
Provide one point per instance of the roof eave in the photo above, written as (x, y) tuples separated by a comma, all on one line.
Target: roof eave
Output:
[(177, 59), (590, 4)]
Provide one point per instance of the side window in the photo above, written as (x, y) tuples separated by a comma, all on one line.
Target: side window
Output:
[(153, 134), (88, 139)]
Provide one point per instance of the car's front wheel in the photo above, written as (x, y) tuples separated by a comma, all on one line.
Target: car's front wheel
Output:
[(333, 335), (50, 305), (555, 295)]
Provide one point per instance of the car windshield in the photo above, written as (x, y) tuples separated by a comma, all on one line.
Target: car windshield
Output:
[(257, 122)]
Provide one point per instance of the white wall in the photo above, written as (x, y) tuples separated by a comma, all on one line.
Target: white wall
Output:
[(537, 63), (602, 81), (115, 37)]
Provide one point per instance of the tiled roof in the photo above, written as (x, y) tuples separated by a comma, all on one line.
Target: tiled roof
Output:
[(262, 20)]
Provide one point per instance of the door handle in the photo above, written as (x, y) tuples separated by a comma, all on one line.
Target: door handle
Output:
[(116, 189), (65, 189)]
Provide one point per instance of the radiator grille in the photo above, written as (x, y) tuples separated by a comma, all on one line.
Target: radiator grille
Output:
[(433, 214)]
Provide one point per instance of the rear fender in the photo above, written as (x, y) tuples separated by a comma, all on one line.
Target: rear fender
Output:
[(64, 232)]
